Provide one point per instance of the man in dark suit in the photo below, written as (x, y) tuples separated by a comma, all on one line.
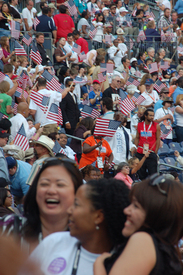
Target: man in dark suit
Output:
[(70, 110)]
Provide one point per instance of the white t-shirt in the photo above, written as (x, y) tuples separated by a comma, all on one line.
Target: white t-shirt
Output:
[(117, 58), (167, 122), (56, 255), (54, 97), (69, 152), (88, 55), (178, 118), (100, 32), (83, 22), (133, 125), (29, 15), (150, 97), (68, 49)]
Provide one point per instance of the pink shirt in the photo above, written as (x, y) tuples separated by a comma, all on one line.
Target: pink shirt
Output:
[(5, 54), (127, 180)]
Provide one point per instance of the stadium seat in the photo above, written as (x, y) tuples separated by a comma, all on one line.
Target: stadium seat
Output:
[(164, 151), (175, 146), (171, 161), (162, 167)]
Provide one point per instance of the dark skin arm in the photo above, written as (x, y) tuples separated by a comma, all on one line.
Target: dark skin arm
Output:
[(87, 148)]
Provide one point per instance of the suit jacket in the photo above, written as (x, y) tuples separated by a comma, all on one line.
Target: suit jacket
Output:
[(70, 112)]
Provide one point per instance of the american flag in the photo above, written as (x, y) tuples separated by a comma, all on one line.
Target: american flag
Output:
[(1, 53), (52, 83), (169, 36), (93, 8), (138, 73), (79, 80), (89, 111), (180, 48), (2, 76), (137, 98), (132, 81), (19, 92), (24, 80), (141, 36), (105, 127), (158, 86), (71, 7), (82, 56), (125, 103), (164, 131), (58, 149), (163, 37), (153, 67), (19, 49), (55, 114), (40, 100), (134, 11), (102, 76), (21, 139), (15, 29), (164, 65), (36, 22), (76, 48), (152, 15), (128, 21), (2, 116), (35, 55), (107, 66), (92, 31), (14, 106), (27, 39)]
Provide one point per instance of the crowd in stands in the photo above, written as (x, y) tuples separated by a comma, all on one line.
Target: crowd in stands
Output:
[(91, 131)]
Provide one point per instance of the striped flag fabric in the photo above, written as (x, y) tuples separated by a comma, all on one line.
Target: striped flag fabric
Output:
[(102, 76), (169, 36), (141, 36), (21, 139), (79, 80), (153, 67), (15, 29), (55, 114), (40, 100), (164, 65), (125, 103), (163, 37), (1, 53), (180, 48), (58, 149), (24, 80), (2, 76), (36, 22), (19, 92), (134, 11), (137, 98), (92, 31), (3, 116), (19, 49), (107, 38), (152, 14), (35, 55), (105, 127), (132, 81), (14, 106), (89, 111), (82, 56), (107, 66), (71, 7), (93, 8), (52, 83), (164, 131), (27, 39), (158, 86), (76, 48)]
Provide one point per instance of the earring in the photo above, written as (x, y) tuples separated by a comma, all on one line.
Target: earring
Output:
[(97, 227)]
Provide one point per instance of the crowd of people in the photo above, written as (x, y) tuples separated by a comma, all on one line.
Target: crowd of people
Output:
[(91, 103)]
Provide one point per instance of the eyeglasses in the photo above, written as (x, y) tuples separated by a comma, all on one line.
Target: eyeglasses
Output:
[(73, 85), (156, 180), (118, 81), (66, 160), (58, 139)]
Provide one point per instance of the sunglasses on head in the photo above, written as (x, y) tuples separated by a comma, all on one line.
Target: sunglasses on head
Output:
[(156, 180), (66, 160)]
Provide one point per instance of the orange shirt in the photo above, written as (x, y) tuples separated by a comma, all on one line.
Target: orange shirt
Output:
[(172, 89), (92, 156)]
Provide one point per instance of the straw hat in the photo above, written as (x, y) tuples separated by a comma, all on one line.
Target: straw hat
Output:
[(46, 142)]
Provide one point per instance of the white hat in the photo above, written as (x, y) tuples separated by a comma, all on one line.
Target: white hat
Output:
[(120, 31), (122, 9), (52, 6), (133, 59), (46, 142), (131, 89), (105, 9)]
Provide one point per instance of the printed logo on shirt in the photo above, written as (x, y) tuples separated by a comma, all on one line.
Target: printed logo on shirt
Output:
[(57, 266), (146, 134)]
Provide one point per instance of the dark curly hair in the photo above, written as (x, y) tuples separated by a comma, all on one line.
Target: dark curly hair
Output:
[(31, 211), (112, 196)]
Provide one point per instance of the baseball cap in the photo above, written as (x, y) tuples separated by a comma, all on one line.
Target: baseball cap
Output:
[(133, 59), (149, 81), (96, 81), (3, 133), (11, 162), (52, 6), (105, 9), (122, 9)]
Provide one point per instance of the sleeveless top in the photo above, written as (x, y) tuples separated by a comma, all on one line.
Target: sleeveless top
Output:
[(148, 136), (167, 262)]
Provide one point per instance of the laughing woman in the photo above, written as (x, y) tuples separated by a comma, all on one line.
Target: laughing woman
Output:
[(95, 221), (154, 226)]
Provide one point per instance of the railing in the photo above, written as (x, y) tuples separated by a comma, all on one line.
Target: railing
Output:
[(171, 166)]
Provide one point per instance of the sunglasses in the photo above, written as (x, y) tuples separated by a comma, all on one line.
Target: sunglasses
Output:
[(66, 160), (156, 180), (118, 81)]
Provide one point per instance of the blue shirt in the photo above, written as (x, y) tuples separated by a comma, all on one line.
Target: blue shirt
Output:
[(91, 96), (19, 187), (158, 105), (81, 5), (178, 91), (46, 24)]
